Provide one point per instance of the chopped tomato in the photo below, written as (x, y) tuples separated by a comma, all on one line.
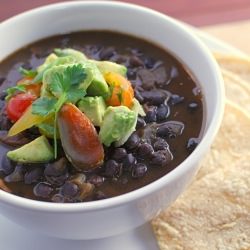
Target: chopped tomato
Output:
[(33, 88), (122, 92), (17, 105)]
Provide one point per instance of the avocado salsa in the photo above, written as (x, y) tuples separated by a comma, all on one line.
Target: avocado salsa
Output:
[(91, 115)]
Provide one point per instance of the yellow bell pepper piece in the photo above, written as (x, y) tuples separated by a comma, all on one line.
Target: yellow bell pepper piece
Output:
[(27, 120)]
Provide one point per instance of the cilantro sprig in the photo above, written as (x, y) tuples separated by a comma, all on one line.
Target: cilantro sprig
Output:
[(27, 73), (64, 87), (14, 90)]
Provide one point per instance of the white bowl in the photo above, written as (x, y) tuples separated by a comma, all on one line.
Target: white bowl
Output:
[(112, 216)]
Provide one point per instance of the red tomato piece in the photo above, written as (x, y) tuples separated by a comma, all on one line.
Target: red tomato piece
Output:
[(18, 104)]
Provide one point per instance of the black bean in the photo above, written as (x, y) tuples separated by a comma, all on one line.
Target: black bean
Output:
[(70, 189), (42, 189), (151, 114), (161, 75), (128, 162), (99, 195), (176, 99), (131, 74), (163, 112), (132, 142), (159, 159), (32, 132), (2, 104), (15, 141), (57, 198), (33, 176), (5, 123), (170, 129), (119, 154), (160, 144), (135, 61), (56, 168), (136, 51), (56, 172), (112, 168), (147, 78), (192, 144), (96, 180), (3, 94), (17, 175), (145, 150), (138, 96), (57, 180), (155, 96), (7, 166), (149, 62), (193, 106), (140, 123), (139, 170), (121, 59), (107, 53)]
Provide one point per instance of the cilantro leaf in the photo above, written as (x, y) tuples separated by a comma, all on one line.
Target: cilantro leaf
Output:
[(57, 84), (75, 94), (75, 74), (14, 90), (71, 77), (27, 73), (44, 106)]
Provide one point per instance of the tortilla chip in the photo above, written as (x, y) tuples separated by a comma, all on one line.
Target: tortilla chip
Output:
[(231, 143), (214, 213), (237, 90), (236, 64)]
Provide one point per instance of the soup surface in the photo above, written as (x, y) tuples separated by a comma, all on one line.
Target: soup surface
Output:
[(164, 137)]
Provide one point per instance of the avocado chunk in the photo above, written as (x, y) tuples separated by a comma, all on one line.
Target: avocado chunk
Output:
[(78, 55), (137, 108), (118, 124), (98, 86), (107, 66), (94, 108), (48, 61), (37, 151)]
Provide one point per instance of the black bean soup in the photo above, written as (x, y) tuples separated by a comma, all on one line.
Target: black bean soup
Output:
[(163, 138)]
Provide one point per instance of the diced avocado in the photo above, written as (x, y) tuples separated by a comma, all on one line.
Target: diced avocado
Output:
[(98, 86), (37, 151), (78, 55), (107, 66), (137, 108), (94, 108), (49, 59), (48, 77), (51, 63), (118, 124)]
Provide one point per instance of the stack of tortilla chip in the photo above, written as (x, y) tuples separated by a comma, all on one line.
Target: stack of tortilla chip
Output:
[(214, 212)]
